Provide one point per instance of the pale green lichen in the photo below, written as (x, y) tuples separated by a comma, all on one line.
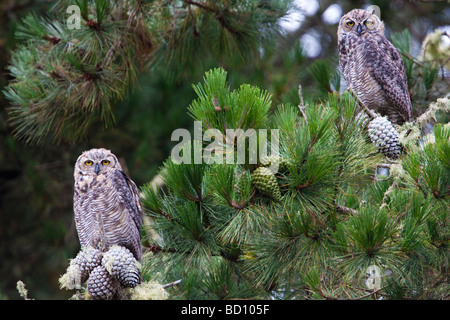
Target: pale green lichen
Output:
[(72, 278), (23, 292), (442, 104), (150, 290)]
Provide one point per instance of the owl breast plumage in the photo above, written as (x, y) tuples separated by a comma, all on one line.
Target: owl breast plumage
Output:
[(372, 67), (107, 206)]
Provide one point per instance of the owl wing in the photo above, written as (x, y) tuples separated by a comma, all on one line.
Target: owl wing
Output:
[(343, 59), (390, 73), (129, 212)]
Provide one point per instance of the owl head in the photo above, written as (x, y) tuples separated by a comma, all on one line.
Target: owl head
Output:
[(359, 22), (96, 161)]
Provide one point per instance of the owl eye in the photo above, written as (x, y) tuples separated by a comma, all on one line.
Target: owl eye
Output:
[(350, 23), (368, 22), (88, 163), (106, 162)]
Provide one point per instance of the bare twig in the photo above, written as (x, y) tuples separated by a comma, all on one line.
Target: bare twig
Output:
[(171, 284), (301, 106), (344, 209), (369, 294)]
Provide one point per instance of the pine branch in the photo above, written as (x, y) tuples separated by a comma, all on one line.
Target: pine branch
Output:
[(78, 76), (171, 284)]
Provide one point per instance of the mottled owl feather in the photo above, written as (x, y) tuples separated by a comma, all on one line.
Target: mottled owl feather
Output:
[(372, 67), (107, 208), (391, 75)]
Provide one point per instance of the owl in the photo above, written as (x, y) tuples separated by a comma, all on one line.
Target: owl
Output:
[(372, 66), (106, 203)]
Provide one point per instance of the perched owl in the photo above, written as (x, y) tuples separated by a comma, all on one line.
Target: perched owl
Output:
[(372, 66), (106, 203)]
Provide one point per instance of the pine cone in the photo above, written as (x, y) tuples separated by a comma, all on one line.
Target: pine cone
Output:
[(101, 285), (267, 161), (122, 265), (87, 260), (385, 137), (266, 183)]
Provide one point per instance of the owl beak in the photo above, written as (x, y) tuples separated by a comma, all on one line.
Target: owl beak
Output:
[(359, 29), (97, 168)]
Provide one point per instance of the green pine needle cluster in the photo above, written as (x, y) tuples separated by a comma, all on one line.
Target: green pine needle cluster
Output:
[(68, 79), (243, 108), (335, 227), (65, 80)]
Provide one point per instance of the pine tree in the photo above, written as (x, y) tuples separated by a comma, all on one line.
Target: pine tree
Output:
[(326, 224), (336, 232)]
